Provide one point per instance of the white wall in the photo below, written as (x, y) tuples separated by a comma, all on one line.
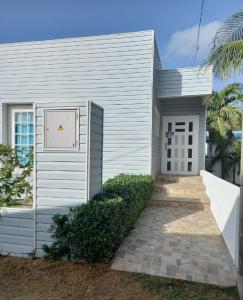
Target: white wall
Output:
[(16, 231), (185, 82), (224, 201), (61, 181), (115, 71)]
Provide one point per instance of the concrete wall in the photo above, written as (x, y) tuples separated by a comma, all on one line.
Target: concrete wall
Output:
[(224, 204), (189, 106)]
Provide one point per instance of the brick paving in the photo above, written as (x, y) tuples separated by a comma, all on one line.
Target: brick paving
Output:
[(177, 242)]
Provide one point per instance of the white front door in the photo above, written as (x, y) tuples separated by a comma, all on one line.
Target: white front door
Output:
[(180, 145)]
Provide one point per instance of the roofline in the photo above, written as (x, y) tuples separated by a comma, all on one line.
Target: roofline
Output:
[(88, 37), (188, 68)]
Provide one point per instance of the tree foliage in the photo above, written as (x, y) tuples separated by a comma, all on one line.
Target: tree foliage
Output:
[(226, 55), (223, 116), (15, 186)]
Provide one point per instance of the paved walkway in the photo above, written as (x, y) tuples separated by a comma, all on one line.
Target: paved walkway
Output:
[(180, 243)]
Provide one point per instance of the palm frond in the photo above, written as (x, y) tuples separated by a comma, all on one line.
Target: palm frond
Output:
[(231, 116), (227, 59), (226, 55), (231, 30), (231, 93)]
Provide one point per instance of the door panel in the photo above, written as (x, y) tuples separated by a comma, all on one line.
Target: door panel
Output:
[(180, 145)]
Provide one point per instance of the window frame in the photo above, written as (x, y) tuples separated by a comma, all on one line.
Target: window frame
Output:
[(13, 123)]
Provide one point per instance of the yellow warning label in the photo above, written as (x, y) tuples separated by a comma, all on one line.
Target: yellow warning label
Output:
[(60, 128)]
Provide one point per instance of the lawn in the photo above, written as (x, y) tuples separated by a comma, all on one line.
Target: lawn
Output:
[(43, 279)]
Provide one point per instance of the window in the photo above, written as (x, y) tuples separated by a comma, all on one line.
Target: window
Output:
[(23, 133), (169, 153), (190, 126), (189, 153), (189, 139)]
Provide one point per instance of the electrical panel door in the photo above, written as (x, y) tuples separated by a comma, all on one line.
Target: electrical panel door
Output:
[(61, 129)]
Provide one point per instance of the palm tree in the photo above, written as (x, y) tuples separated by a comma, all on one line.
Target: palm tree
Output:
[(224, 116), (226, 55), (233, 158)]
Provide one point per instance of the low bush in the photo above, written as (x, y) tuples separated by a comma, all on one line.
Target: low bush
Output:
[(93, 231), (15, 184)]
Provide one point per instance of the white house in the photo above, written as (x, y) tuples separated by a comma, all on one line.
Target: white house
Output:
[(154, 119)]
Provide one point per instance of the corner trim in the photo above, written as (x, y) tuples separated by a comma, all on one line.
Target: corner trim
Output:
[(152, 105), (88, 151), (34, 178)]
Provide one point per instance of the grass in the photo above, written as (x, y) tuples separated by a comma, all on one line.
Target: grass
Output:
[(181, 290)]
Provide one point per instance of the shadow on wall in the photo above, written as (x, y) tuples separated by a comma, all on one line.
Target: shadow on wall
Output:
[(19, 236), (17, 230), (184, 82), (169, 83)]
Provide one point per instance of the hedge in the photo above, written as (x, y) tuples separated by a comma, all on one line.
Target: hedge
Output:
[(93, 231)]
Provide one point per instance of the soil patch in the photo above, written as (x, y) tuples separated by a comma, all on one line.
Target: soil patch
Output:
[(34, 279), (27, 279)]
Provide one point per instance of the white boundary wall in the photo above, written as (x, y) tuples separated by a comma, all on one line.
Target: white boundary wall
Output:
[(224, 204)]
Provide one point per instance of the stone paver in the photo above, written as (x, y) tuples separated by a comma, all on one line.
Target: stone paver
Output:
[(181, 243)]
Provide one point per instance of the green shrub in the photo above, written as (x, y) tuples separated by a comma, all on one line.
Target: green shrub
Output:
[(15, 187), (93, 231)]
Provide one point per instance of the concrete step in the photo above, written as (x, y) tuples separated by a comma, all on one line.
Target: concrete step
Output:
[(176, 204), (180, 188), (179, 191), (181, 197), (179, 179)]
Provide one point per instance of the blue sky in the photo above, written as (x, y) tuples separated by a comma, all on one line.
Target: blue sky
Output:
[(174, 21)]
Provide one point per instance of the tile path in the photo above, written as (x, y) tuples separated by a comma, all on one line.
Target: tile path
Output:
[(181, 243)]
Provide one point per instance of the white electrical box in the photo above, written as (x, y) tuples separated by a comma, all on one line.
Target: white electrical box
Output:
[(61, 129)]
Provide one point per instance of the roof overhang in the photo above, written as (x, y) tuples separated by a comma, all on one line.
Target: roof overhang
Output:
[(185, 82)]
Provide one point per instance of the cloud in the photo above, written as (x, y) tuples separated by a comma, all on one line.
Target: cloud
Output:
[(182, 43)]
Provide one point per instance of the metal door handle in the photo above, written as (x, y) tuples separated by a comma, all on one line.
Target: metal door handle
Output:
[(165, 146)]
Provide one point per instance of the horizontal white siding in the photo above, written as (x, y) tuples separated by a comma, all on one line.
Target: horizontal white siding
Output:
[(114, 71), (16, 231), (189, 106), (60, 176), (184, 82)]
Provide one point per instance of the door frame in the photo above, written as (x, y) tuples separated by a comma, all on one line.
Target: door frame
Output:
[(195, 119)]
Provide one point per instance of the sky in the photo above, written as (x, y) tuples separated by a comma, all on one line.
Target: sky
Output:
[(175, 23)]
